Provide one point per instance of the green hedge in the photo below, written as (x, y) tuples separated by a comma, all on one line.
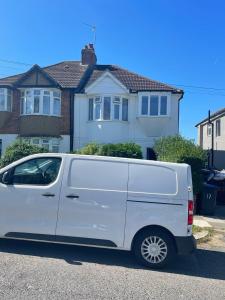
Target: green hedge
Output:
[(129, 150), (19, 150), (180, 150)]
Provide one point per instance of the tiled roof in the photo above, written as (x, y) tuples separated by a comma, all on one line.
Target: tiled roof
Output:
[(130, 80), (216, 114), (9, 80), (72, 74), (68, 73)]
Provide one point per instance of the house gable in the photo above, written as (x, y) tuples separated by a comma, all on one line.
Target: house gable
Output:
[(106, 84), (36, 77)]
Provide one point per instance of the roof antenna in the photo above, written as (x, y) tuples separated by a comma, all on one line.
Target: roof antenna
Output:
[(93, 29)]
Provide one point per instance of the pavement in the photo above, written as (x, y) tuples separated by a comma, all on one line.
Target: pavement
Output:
[(32, 270)]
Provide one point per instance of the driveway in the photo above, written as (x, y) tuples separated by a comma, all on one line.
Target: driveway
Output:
[(48, 271)]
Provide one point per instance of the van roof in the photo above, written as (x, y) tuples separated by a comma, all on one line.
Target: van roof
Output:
[(109, 158)]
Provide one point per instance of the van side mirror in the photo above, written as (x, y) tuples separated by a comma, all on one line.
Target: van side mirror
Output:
[(7, 178)]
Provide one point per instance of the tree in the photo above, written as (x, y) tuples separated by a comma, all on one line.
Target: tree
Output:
[(19, 150)]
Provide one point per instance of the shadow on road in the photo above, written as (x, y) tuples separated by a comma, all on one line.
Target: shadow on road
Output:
[(203, 263)]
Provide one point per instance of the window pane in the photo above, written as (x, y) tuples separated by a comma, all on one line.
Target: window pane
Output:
[(36, 104), (9, 102), (107, 108), (40, 171), (97, 111), (218, 128), (37, 92), (46, 105), (2, 102), (116, 112), (163, 107), (125, 110), (45, 144), (56, 94), (90, 109), (209, 130), (154, 105), (144, 105), (56, 107), (29, 105)]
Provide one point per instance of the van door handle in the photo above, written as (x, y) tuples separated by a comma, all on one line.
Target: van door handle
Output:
[(72, 196), (48, 195)]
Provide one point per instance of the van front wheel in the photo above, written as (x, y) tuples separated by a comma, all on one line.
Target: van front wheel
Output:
[(154, 248)]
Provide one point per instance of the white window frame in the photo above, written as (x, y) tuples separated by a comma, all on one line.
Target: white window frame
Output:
[(6, 93), (51, 142), (159, 95), (209, 129), (218, 131), (101, 102), (41, 97)]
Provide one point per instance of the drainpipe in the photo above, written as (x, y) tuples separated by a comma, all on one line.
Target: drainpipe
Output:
[(212, 140), (71, 119)]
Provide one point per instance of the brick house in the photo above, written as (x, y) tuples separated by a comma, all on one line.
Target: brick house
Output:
[(64, 106)]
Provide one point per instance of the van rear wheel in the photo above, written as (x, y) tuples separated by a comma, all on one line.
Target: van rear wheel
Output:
[(154, 248)]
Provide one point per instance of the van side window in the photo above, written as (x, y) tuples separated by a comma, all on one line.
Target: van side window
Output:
[(38, 171)]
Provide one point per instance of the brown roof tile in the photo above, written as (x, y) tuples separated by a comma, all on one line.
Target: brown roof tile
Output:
[(72, 74)]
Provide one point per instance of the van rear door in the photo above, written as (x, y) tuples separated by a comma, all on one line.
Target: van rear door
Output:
[(93, 202)]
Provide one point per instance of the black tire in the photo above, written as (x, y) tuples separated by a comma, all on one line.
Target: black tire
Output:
[(160, 242)]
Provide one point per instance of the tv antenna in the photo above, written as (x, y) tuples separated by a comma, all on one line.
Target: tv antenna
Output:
[(93, 29)]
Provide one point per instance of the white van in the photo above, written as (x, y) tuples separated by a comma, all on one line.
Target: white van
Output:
[(139, 205)]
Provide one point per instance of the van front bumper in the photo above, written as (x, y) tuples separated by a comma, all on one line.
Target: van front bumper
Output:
[(185, 244)]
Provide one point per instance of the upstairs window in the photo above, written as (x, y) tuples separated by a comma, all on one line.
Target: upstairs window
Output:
[(209, 129), (5, 99), (108, 108), (153, 105), (40, 102), (218, 127)]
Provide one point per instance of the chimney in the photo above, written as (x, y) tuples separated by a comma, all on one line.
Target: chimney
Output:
[(88, 56)]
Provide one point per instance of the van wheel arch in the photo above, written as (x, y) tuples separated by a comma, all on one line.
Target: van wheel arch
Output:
[(153, 227)]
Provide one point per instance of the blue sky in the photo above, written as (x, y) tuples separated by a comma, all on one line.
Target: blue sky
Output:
[(177, 42)]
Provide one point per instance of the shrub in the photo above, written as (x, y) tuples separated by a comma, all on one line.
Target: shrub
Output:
[(89, 149), (180, 150), (129, 150), (19, 150)]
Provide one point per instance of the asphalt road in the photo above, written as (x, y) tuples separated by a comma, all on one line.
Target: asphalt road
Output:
[(47, 271)]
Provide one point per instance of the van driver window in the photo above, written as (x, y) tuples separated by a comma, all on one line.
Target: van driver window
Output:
[(39, 171)]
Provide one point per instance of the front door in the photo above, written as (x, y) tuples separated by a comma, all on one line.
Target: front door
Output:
[(93, 202), (29, 203)]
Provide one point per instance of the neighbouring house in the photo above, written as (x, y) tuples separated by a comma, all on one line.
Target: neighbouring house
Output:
[(209, 135), (64, 106)]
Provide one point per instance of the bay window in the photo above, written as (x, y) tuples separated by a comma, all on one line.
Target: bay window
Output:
[(40, 102), (50, 144), (5, 99), (154, 104), (108, 108)]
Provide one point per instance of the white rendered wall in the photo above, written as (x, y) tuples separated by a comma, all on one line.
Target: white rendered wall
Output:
[(141, 130)]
